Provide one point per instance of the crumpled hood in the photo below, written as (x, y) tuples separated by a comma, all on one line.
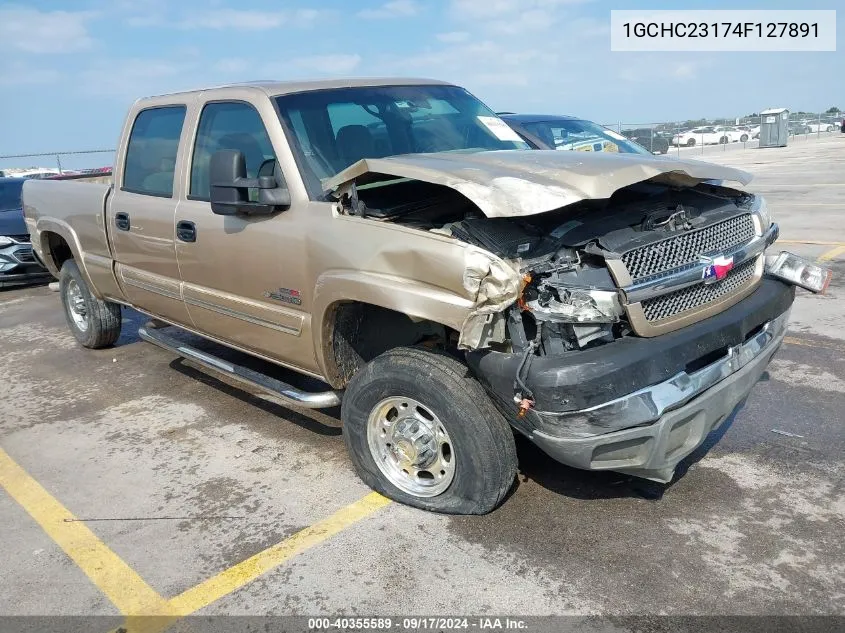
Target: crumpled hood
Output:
[(12, 222), (512, 183)]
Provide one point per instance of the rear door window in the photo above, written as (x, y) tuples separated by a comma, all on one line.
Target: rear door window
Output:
[(151, 152)]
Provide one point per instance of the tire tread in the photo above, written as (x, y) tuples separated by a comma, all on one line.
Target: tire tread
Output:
[(104, 317)]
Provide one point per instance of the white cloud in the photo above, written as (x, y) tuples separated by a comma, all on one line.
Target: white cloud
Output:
[(339, 64), (453, 37), (129, 78), (231, 19), (236, 19), (20, 74), (393, 9), (647, 68), (33, 31), (492, 9), (231, 65)]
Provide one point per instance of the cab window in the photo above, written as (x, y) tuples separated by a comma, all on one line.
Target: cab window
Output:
[(229, 125), (151, 151)]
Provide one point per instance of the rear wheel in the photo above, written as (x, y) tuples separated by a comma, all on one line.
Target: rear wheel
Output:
[(724, 140), (743, 138), (421, 430), (95, 323), (691, 142)]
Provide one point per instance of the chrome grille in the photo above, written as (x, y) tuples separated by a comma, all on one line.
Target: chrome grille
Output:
[(684, 249), (674, 303)]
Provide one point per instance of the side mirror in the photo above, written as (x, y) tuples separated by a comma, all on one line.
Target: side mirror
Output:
[(230, 186)]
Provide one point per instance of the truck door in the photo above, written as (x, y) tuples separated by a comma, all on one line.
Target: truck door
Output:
[(140, 216), (243, 277)]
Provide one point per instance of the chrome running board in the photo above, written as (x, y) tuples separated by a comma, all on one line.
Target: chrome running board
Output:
[(273, 389)]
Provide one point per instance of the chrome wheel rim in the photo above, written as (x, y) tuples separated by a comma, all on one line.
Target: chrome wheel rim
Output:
[(411, 447), (76, 305)]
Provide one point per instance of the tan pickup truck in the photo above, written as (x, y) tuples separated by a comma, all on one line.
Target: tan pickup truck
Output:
[(398, 241)]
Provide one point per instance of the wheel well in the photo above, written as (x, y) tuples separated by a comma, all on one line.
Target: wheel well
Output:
[(57, 251), (361, 331)]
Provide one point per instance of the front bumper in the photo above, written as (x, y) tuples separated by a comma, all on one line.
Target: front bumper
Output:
[(652, 451), (639, 405)]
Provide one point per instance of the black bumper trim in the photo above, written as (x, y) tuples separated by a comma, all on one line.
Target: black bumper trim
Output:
[(584, 379), (653, 451)]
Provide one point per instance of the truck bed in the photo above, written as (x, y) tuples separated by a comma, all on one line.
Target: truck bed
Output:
[(76, 212)]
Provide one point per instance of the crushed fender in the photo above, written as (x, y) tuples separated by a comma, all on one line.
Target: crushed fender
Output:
[(493, 285)]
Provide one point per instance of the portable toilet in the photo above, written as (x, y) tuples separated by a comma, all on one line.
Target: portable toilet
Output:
[(774, 127)]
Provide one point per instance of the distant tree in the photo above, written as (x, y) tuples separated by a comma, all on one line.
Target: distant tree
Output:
[(833, 110)]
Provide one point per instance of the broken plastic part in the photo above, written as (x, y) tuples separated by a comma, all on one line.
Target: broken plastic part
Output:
[(492, 285), (526, 279), (579, 306), (795, 270)]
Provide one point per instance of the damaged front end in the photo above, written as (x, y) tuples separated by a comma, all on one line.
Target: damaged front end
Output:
[(620, 314)]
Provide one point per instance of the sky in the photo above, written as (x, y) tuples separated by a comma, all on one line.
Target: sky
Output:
[(70, 70)]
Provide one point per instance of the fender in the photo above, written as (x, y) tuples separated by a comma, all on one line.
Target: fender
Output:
[(63, 230), (417, 300)]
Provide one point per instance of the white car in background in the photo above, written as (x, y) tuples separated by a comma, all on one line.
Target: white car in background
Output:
[(706, 135), (733, 134), (822, 126)]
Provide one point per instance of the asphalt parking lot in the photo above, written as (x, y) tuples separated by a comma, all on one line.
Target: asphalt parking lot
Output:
[(135, 483)]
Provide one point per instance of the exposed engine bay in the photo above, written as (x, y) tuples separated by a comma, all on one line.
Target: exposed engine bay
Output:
[(569, 299)]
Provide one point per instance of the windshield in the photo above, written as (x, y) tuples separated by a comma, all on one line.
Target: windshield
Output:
[(332, 129), (10, 194), (582, 135)]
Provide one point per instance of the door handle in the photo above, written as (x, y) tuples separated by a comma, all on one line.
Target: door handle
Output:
[(121, 221), (186, 231)]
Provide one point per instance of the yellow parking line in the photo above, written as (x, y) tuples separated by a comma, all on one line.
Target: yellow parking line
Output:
[(119, 582), (791, 340), (815, 242), (232, 579), (248, 570), (146, 610), (833, 253)]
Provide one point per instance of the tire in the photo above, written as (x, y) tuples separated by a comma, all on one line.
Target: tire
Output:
[(95, 323), (743, 138), (724, 140), (691, 142), (481, 455)]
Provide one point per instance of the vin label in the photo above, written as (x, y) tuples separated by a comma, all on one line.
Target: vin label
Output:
[(744, 30)]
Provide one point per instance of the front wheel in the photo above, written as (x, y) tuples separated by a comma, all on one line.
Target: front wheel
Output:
[(743, 138), (95, 323), (724, 140), (421, 430)]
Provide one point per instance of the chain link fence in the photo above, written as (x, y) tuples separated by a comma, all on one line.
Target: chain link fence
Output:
[(705, 136), (44, 164)]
